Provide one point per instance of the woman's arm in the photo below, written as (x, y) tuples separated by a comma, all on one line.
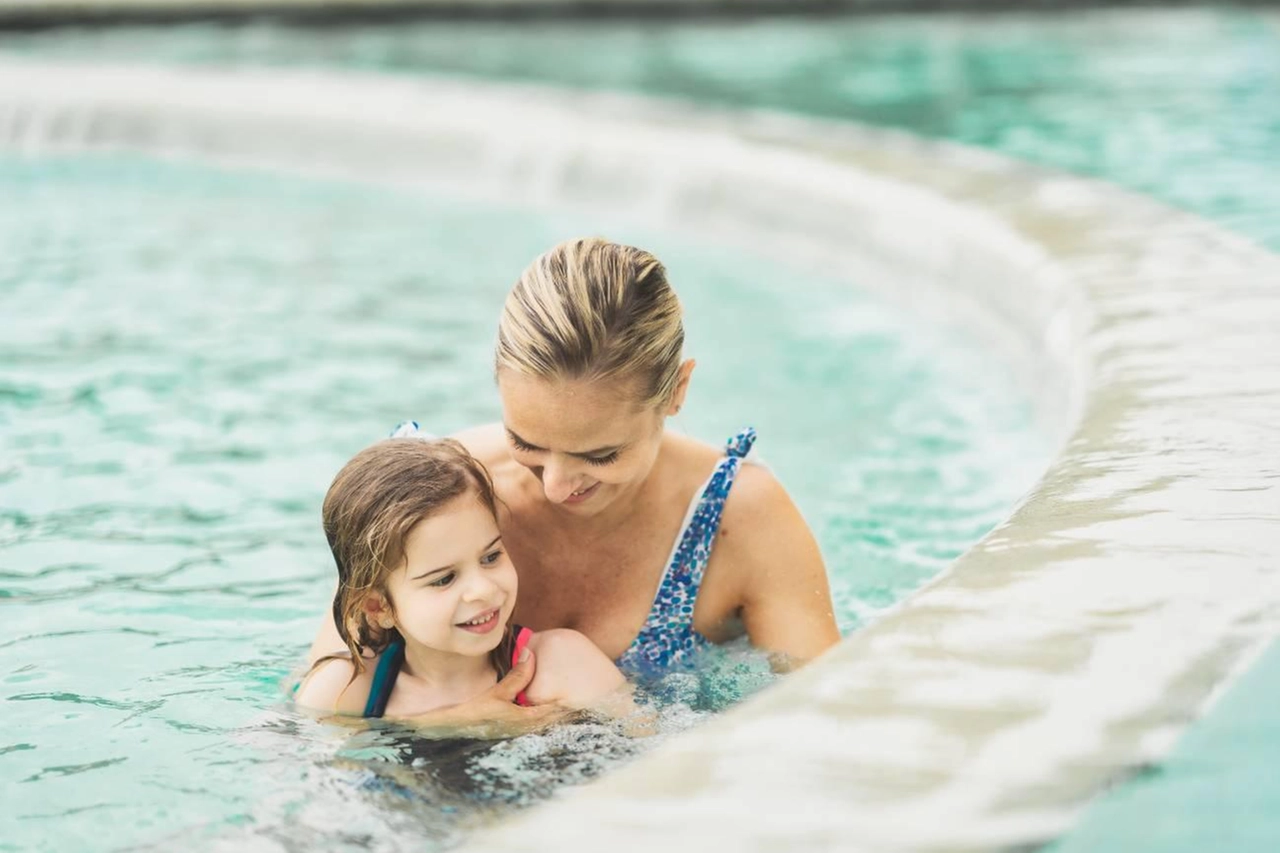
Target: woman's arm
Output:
[(785, 597)]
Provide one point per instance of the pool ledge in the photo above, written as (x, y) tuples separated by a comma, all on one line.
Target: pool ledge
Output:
[(1067, 648)]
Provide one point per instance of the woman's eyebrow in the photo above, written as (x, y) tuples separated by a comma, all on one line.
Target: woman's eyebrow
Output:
[(583, 454)]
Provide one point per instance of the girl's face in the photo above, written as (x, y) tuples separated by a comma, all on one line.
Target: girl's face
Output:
[(588, 442), (456, 588)]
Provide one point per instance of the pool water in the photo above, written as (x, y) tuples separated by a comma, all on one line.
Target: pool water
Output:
[(189, 353)]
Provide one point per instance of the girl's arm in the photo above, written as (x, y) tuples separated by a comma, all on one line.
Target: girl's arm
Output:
[(785, 598), (330, 688), (574, 673)]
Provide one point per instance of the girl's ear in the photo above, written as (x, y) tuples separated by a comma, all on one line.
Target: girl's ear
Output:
[(377, 610)]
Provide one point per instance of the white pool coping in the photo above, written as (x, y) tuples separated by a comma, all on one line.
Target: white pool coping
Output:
[(1068, 647)]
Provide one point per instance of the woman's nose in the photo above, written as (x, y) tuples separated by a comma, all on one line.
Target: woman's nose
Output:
[(558, 481)]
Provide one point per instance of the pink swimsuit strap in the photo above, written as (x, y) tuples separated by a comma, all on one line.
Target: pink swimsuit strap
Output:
[(523, 636)]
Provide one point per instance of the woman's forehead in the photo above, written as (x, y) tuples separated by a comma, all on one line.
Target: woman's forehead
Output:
[(573, 416)]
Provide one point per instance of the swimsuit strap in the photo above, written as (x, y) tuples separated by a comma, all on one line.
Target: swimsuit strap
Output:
[(740, 444), (410, 429), (384, 679), (523, 636), (701, 532), (668, 636)]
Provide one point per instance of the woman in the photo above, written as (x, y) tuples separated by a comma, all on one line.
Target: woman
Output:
[(649, 543)]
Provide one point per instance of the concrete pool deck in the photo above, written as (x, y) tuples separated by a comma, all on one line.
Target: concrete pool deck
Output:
[(1066, 649)]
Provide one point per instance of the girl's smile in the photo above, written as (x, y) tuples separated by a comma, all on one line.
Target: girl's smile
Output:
[(482, 624)]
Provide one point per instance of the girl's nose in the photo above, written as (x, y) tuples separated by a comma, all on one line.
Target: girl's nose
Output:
[(479, 587)]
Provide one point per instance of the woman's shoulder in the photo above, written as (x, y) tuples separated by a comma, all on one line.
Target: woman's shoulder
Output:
[(487, 442), (513, 483), (755, 487), (757, 506), (688, 461), (330, 687)]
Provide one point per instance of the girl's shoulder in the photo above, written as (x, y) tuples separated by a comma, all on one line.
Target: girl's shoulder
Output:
[(330, 687), (571, 670)]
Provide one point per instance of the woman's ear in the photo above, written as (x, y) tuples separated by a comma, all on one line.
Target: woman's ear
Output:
[(682, 386)]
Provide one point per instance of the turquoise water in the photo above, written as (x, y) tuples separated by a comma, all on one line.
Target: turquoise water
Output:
[(1181, 105), (187, 355)]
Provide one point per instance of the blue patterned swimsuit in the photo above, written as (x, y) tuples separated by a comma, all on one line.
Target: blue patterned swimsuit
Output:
[(668, 637)]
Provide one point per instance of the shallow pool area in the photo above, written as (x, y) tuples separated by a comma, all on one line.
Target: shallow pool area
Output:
[(164, 459)]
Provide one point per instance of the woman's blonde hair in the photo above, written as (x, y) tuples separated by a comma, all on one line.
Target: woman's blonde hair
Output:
[(375, 501), (591, 309)]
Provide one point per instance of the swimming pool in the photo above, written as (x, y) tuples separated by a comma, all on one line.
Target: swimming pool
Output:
[(191, 351), (1021, 87)]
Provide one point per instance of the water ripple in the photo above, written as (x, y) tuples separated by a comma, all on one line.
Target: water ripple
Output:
[(73, 769)]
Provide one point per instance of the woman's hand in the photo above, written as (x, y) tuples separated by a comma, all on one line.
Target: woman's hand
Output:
[(494, 713)]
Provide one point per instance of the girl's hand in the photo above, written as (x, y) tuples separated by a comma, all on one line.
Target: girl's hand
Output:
[(494, 713)]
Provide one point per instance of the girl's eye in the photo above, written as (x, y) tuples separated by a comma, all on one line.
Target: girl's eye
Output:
[(491, 558), (443, 580), (608, 459)]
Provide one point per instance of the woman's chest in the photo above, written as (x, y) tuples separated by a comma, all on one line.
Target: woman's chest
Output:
[(605, 592)]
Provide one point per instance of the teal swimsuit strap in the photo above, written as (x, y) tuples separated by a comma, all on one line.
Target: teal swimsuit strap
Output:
[(384, 679)]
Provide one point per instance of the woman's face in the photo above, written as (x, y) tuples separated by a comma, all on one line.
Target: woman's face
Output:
[(588, 442)]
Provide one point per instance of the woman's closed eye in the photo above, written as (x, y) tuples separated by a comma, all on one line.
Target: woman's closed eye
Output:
[(444, 580), (525, 447), (522, 445)]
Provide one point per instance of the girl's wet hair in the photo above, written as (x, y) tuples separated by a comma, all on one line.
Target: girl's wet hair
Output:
[(371, 507), (591, 309)]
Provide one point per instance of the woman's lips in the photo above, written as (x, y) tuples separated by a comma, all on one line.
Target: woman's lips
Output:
[(578, 498), (482, 623)]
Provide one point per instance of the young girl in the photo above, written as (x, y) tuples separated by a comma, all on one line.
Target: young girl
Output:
[(426, 591)]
